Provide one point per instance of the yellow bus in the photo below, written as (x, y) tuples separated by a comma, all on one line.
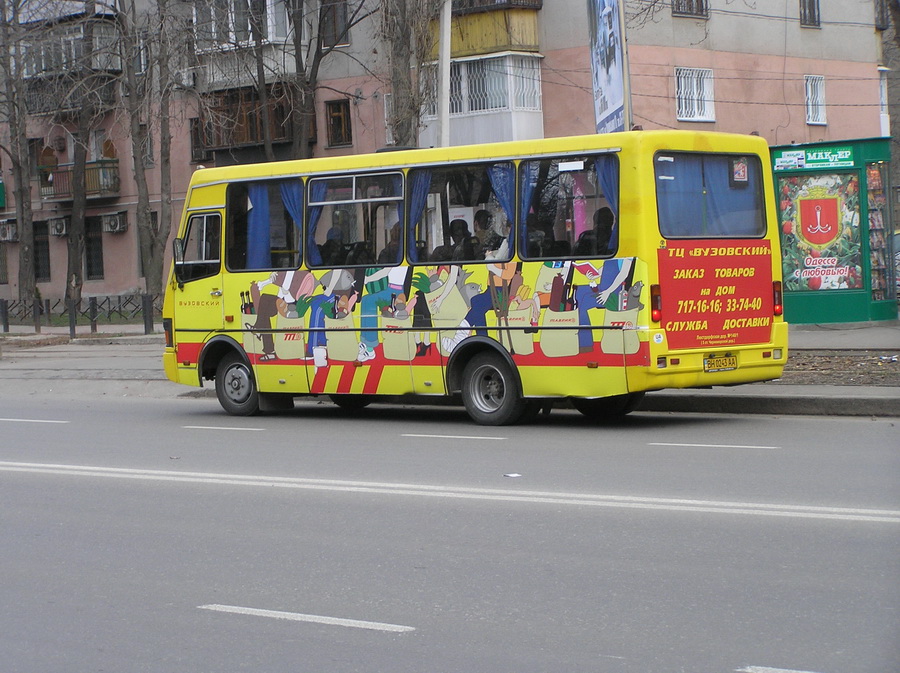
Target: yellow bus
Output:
[(589, 269)]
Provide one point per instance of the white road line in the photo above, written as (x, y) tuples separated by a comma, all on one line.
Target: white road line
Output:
[(29, 420), (315, 619), (465, 493), (452, 436), (766, 669), (713, 446), (220, 427)]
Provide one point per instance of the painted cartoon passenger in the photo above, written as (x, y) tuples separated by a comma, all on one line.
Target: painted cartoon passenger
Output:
[(290, 299)]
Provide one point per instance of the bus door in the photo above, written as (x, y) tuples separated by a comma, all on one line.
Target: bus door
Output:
[(198, 305), (716, 261)]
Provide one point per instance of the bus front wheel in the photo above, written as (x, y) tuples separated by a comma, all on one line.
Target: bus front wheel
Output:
[(605, 408), (490, 391), (236, 387)]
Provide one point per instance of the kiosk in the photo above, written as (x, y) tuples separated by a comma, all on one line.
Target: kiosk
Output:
[(836, 238)]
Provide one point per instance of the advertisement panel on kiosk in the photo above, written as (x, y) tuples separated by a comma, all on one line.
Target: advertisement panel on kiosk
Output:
[(835, 231)]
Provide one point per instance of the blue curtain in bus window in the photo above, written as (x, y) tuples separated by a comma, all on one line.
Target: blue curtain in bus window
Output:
[(259, 251), (607, 167), (527, 185), (679, 194), (503, 182), (732, 207), (419, 186), (316, 193), (292, 198)]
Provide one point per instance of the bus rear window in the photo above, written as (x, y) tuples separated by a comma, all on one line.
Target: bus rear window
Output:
[(709, 195)]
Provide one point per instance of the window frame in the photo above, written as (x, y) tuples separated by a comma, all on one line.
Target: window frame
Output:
[(93, 248), (41, 237), (700, 105), (698, 9), (815, 100), (810, 14), (334, 23), (339, 111)]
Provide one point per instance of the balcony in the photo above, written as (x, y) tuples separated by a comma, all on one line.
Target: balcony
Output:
[(101, 180), (473, 6)]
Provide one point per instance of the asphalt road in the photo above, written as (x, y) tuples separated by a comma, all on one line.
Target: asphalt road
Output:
[(145, 534)]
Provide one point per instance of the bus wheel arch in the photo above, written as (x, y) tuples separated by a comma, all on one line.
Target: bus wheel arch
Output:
[(488, 379), (213, 351)]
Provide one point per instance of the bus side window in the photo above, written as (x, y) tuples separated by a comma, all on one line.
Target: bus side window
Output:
[(572, 205), (263, 227), (461, 214), (201, 248), (355, 220)]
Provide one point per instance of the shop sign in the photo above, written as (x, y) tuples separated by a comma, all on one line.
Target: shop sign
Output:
[(813, 158)]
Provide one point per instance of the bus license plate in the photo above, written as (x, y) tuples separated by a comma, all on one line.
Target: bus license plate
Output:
[(724, 363)]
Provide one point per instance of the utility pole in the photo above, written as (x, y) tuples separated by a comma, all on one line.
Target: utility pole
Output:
[(444, 75)]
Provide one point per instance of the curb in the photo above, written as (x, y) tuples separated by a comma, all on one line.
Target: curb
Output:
[(809, 404)]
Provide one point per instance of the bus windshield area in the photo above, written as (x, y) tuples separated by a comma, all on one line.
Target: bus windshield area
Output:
[(709, 195)]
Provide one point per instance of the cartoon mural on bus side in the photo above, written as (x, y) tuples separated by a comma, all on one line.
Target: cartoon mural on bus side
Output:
[(418, 313)]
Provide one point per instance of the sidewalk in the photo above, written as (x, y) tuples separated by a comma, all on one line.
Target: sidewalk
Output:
[(759, 398)]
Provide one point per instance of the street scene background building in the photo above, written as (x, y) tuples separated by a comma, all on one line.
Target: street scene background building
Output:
[(108, 108)]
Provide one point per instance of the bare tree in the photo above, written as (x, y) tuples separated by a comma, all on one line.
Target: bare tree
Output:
[(407, 30), (14, 34)]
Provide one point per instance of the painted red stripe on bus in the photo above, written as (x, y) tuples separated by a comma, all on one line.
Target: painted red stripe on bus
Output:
[(320, 379), (345, 384), (373, 378), (189, 351)]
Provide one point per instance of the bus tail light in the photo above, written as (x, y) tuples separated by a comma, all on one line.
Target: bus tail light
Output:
[(655, 304), (776, 291), (167, 328)]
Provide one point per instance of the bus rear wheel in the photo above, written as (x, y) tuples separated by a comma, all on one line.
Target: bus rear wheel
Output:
[(605, 408), (236, 387), (490, 391)]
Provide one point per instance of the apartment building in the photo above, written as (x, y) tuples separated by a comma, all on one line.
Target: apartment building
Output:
[(788, 70)]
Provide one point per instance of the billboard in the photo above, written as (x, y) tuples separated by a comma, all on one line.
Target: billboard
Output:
[(608, 65)]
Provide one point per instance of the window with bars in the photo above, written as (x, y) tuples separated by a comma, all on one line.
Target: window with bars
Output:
[(809, 13), (511, 82), (694, 97), (815, 99), (4, 273), (690, 8), (337, 113), (93, 248)]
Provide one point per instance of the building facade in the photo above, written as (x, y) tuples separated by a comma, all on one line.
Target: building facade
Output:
[(792, 71)]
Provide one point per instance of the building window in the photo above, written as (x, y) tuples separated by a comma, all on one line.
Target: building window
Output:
[(815, 99), (333, 23), (510, 82), (882, 15), (146, 140), (229, 23), (41, 252), (200, 133), (93, 248), (809, 13), (4, 273), (338, 118), (694, 95), (690, 8)]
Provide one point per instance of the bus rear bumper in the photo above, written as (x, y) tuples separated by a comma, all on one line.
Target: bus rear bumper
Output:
[(721, 366)]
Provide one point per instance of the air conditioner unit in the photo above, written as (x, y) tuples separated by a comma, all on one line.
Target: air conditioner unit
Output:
[(116, 223), (9, 233), (59, 226)]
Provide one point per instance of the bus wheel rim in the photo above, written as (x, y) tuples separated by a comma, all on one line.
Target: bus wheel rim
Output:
[(489, 388), (237, 384)]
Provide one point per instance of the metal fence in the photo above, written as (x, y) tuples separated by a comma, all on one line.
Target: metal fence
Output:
[(111, 309)]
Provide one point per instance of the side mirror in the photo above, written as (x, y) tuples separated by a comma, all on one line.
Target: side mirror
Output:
[(178, 259)]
